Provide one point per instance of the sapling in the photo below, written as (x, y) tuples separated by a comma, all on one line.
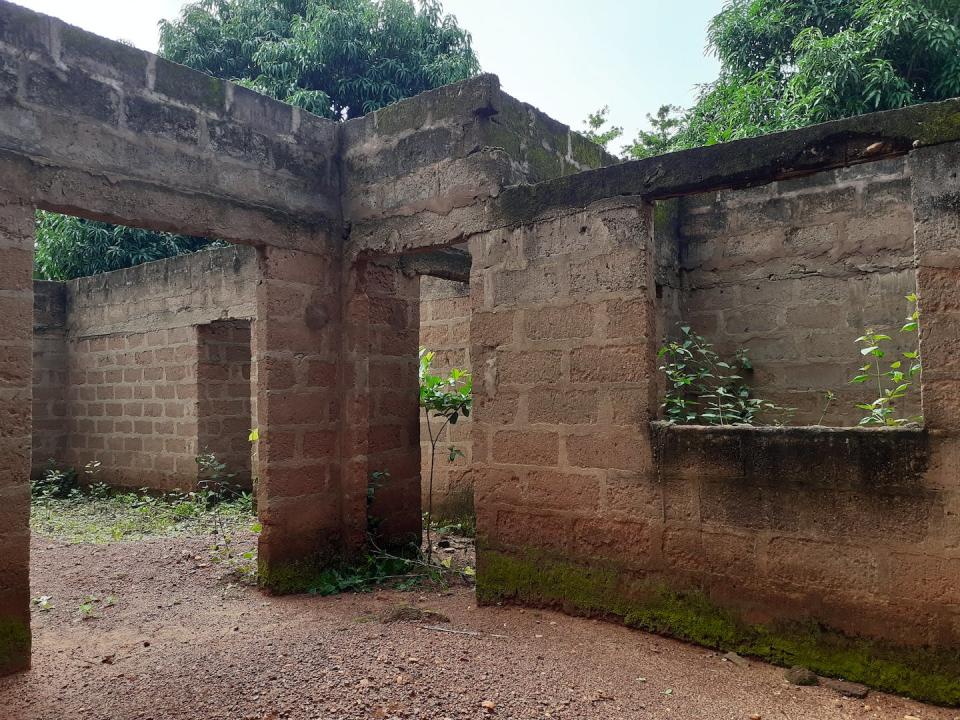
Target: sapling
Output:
[(444, 401)]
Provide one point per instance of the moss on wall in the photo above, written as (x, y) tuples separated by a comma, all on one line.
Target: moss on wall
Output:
[(532, 579), (14, 645)]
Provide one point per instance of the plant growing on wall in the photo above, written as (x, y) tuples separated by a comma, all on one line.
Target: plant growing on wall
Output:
[(893, 378), (444, 401), (705, 389)]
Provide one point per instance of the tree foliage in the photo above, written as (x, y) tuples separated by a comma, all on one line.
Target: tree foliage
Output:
[(659, 138), (335, 58), (69, 247), (790, 63), (785, 64), (595, 130)]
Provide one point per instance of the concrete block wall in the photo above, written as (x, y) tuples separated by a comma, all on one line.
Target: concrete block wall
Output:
[(138, 140), (133, 406), (445, 330), (562, 347), (16, 409), (50, 406), (380, 426), (794, 523), (581, 502), (794, 271), (419, 173), (764, 531), (224, 409), (137, 371), (300, 495)]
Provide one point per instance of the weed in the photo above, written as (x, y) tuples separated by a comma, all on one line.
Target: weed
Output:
[(43, 603), (707, 390), (893, 383)]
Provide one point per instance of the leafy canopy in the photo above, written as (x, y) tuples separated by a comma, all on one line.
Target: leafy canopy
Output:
[(785, 64), (335, 58), (790, 63), (69, 247)]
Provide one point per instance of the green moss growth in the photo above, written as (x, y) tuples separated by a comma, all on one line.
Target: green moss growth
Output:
[(543, 164), (941, 124), (921, 673), (586, 152), (14, 645)]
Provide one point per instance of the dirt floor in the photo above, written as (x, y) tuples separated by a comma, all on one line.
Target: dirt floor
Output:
[(149, 630)]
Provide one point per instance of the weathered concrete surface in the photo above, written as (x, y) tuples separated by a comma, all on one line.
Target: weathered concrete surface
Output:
[(420, 173), (16, 405), (93, 127), (50, 407), (744, 163), (936, 202)]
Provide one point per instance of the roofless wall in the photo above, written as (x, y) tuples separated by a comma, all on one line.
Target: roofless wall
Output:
[(833, 548)]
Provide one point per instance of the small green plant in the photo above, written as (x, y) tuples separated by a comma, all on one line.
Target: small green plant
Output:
[(56, 482), (893, 377), (87, 609), (704, 389), (43, 603), (828, 397), (444, 401)]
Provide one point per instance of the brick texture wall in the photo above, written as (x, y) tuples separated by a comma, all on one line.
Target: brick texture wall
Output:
[(445, 330), (130, 363), (224, 412), (561, 343), (49, 374), (16, 305), (133, 407), (795, 271), (380, 402)]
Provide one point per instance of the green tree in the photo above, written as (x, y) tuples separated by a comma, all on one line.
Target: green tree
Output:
[(594, 128), (659, 139), (790, 63), (335, 58), (69, 247)]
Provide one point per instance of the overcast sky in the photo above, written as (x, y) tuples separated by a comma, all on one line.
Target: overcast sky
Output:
[(567, 57)]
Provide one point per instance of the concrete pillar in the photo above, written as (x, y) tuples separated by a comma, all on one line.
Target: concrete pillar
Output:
[(381, 336), (16, 328), (562, 342), (298, 342), (936, 202)]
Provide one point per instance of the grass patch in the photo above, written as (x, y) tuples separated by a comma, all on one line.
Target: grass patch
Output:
[(100, 514)]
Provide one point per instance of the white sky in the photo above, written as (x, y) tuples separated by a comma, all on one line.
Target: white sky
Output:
[(567, 57)]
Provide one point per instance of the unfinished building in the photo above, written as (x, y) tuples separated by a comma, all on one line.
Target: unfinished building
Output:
[(837, 548)]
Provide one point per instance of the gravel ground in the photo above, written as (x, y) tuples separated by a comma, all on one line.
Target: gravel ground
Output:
[(181, 642)]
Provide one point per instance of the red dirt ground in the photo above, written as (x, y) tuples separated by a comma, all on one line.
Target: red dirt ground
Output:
[(181, 643)]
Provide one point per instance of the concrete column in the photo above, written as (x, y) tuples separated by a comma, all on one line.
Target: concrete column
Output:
[(381, 335), (297, 345), (562, 343), (936, 207), (16, 329)]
